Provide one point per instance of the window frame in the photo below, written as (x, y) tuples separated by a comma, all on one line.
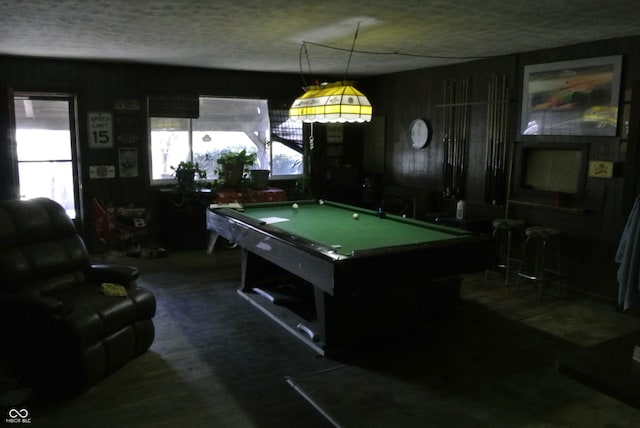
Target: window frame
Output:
[(268, 146), (74, 160)]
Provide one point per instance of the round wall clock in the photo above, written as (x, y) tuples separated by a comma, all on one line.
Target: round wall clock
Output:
[(420, 133)]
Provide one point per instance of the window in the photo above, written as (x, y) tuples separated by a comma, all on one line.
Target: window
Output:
[(45, 143), (223, 124)]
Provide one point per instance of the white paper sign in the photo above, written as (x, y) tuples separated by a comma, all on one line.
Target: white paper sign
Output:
[(272, 220)]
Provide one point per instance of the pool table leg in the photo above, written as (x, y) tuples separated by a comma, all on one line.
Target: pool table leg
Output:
[(245, 276), (319, 297), (256, 271), (213, 238)]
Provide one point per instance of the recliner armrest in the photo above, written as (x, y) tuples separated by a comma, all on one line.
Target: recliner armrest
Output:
[(120, 274), (30, 306)]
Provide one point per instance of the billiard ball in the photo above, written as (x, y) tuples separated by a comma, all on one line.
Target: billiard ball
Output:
[(356, 216), (321, 202), (294, 206)]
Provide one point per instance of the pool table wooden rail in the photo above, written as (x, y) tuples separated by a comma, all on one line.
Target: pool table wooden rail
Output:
[(330, 271)]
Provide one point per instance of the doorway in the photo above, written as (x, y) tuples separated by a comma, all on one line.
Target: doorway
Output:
[(46, 149)]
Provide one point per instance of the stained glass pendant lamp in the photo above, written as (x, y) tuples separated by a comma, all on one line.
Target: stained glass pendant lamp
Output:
[(331, 102)]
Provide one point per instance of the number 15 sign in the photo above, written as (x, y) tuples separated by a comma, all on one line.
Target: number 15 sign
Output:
[(100, 130)]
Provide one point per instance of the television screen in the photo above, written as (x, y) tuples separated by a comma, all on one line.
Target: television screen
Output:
[(553, 170)]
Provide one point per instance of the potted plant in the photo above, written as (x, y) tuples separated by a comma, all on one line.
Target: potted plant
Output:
[(233, 165), (191, 180), (259, 178), (189, 176)]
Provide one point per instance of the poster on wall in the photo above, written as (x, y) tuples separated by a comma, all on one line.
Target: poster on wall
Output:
[(578, 97), (100, 128), (128, 162), (127, 121)]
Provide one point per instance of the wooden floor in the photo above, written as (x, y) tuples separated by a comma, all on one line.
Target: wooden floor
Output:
[(215, 362), (219, 362)]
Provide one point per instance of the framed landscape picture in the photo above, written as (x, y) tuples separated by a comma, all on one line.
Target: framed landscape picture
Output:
[(578, 97)]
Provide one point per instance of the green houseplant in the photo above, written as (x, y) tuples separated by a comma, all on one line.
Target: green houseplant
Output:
[(191, 179), (233, 166), (189, 176)]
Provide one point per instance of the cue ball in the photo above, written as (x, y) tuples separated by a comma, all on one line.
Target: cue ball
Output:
[(355, 216), (294, 206), (321, 202)]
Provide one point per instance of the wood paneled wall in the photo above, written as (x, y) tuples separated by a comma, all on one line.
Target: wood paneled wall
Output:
[(591, 233), (98, 85)]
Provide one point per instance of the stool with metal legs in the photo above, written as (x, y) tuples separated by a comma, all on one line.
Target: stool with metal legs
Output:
[(506, 231), (540, 256)]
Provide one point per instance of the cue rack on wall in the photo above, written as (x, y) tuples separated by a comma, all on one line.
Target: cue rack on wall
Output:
[(455, 127), (497, 147), (456, 106)]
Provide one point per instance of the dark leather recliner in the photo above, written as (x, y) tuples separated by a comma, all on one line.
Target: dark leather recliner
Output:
[(58, 329)]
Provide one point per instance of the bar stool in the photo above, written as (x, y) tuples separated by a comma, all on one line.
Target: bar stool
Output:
[(505, 231), (540, 256)]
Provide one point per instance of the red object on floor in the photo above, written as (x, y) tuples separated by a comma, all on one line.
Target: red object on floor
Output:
[(111, 228)]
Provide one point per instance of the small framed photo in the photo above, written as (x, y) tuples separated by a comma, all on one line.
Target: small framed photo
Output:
[(128, 162)]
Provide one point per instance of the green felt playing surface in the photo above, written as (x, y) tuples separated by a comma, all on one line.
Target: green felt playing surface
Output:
[(333, 224)]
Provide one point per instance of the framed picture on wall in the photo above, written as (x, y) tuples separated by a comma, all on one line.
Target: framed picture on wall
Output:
[(578, 97), (128, 162)]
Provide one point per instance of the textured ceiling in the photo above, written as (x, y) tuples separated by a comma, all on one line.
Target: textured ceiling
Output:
[(268, 35)]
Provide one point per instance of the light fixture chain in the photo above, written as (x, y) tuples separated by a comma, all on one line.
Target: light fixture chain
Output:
[(353, 45)]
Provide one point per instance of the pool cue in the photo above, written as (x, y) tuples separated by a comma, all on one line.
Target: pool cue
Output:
[(504, 116), (486, 144), (465, 131), (462, 155), (501, 139), (459, 143), (451, 138), (454, 132), (496, 140), (445, 137), (495, 165), (490, 147), (509, 178), (504, 98)]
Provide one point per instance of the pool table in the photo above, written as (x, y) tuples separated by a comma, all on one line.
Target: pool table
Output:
[(334, 274)]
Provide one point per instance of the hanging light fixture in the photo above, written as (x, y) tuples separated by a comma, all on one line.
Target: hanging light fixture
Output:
[(336, 102), (331, 102)]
